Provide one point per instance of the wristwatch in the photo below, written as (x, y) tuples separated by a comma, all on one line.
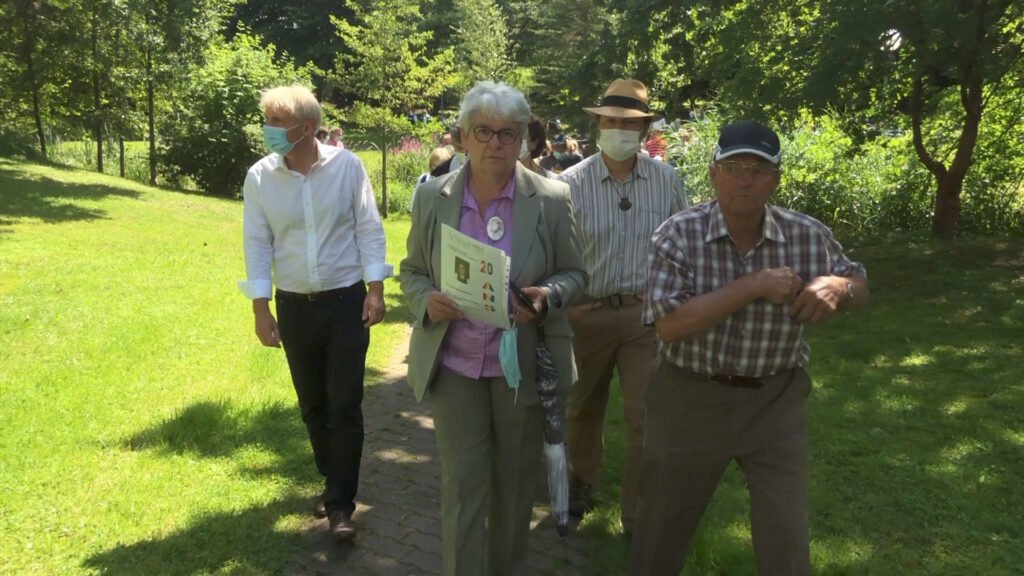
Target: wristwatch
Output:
[(849, 290)]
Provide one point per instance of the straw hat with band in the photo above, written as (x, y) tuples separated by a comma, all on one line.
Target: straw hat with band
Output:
[(624, 99)]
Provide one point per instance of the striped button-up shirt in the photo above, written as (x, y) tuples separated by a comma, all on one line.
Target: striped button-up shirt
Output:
[(693, 254), (615, 241)]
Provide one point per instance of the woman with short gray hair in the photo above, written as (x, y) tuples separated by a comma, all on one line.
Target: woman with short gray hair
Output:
[(488, 418), (498, 101)]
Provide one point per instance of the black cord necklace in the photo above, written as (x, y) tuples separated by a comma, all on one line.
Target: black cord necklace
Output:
[(624, 202)]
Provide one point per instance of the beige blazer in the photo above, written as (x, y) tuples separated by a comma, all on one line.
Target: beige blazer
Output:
[(545, 250)]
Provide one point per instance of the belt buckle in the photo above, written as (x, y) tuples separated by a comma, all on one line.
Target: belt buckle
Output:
[(737, 381)]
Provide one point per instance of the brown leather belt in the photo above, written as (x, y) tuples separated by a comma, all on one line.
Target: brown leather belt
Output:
[(333, 294), (736, 381), (732, 380), (619, 300)]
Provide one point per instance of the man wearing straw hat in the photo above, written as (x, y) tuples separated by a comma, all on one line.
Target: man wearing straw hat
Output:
[(619, 199)]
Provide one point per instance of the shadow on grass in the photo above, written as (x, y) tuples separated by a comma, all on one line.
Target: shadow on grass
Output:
[(398, 469), (915, 426), (24, 195)]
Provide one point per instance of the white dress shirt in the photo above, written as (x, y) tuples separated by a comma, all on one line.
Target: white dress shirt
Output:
[(316, 232)]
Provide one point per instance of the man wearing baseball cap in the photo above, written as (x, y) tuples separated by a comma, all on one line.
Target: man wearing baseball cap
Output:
[(731, 286), (619, 198)]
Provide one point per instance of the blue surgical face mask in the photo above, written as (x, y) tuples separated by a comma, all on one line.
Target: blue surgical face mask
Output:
[(276, 138), (508, 357), (559, 155)]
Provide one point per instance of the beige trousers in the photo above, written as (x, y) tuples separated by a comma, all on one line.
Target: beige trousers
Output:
[(606, 339)]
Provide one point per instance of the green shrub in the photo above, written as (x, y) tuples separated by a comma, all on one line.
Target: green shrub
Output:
[(214, 133), (404, 169), (871, 188)]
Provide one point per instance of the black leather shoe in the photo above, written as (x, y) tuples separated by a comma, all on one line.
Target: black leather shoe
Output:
[(320, 507), (581, 500), (341, 526)]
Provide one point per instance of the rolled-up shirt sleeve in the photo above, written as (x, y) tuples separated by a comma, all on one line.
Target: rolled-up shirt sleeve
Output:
[(258, 243), (370, 237), (839, 264), (669, 277)]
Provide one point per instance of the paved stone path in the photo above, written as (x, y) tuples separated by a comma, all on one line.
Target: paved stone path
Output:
[(399, 509)]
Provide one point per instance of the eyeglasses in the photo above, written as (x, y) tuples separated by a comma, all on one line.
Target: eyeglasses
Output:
[(756, 170), (483, 134)]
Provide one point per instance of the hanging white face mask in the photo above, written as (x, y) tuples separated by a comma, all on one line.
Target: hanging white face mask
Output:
[(619, 144)]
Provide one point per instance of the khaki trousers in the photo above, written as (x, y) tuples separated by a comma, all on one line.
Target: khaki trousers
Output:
[(604, 339), (695, 427), (490, 449)]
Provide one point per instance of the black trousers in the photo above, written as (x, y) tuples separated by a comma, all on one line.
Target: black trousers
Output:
[(325, 343)]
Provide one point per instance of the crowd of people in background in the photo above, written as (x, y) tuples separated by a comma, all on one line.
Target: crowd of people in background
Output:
[(331, 137), (548, 151)]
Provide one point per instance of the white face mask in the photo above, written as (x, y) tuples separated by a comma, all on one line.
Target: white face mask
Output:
[(619, 144)]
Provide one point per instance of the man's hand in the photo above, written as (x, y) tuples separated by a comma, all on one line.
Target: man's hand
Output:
[(818, 301), (441, 308), (373, 304), (777, 285), (574, 312), (266, 326)]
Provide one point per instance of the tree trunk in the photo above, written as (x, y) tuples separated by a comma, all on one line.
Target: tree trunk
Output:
[(150, 116), (27, 48), (120, 154), (37, 113), (949, 182), (947, 199), (96, 102), (384, 172)]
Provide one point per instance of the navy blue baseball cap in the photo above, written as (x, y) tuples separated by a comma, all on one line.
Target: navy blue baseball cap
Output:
[(748, 137)]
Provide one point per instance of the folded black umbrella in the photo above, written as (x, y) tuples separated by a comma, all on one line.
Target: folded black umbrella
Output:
[(554, 439)]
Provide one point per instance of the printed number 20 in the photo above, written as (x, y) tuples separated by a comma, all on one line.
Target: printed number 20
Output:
[(486, 267)]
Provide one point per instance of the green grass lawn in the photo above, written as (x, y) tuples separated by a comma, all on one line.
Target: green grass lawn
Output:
[(143, 429)]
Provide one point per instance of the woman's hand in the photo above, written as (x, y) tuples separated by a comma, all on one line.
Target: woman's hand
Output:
[(536, 296), (441, 308)]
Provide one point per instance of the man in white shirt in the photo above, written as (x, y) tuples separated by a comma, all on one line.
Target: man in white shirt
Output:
[(619, 198), (311, 218)]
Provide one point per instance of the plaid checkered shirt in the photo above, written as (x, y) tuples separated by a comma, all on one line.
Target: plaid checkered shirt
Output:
[(692, 254)]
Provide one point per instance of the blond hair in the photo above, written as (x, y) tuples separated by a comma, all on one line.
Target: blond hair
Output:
[(571, 145), (296, 100), (438, 155)]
